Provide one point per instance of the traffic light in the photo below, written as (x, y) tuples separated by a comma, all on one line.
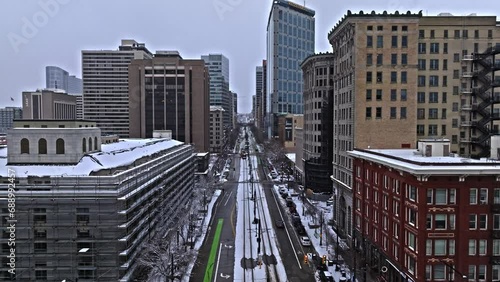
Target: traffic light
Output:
[(305, 259), (323, 259)]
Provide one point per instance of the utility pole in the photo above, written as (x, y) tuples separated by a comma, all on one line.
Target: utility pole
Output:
[(321, 229)]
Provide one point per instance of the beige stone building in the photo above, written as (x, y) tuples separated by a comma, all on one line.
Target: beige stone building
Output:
[(286, 130), (216, 129), (49, 104)]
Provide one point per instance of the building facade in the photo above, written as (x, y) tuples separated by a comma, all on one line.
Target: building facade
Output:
[(263, 101), (170, 93), (286, 130), (58, 78), (259, 81), (318, 128), (89, 221), (105, 85), (421, 215), (48, 104), (7, 117), (290, 39), (235, 109), (216, 129), (218, 69)]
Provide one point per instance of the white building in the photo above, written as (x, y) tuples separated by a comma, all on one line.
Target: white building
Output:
[(87, 220)]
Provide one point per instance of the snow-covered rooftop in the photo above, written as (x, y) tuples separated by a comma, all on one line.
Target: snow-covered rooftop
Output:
[(113, 155), (291, 156), (412, 161)]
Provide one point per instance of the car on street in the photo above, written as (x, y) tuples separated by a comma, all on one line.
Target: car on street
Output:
[(279, 223), (304, 240)]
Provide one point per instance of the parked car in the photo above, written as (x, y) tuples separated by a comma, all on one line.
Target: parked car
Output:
[(300, 229), (279, 223), (305, 241), (326, 276)]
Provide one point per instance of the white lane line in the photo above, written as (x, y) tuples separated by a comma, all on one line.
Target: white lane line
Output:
[(228, 197), (218, 259)]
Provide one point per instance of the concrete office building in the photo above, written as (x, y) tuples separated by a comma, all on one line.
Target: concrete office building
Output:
[(48, 104), (234, 108), (168, 92), (79, 106), (218, 69), (105, 85), (290, 39), (58, 78), (421, 215), (88, 219), (318, 128), (216, 129), (7, 117), (259, 81)]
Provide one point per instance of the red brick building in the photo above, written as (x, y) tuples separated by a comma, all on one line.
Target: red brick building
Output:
[(421, 215)]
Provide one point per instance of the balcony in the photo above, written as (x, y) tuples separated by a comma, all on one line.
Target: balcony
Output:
[(466, 74), (466, 91), (468, 58)]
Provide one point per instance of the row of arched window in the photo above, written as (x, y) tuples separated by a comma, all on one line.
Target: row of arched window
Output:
[(42, 145), (84, 144)]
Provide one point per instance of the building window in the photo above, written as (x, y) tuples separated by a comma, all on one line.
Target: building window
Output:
[(422, 48), (59, 146), (472, 221), (440, 247), (404, 94), (420, 129), (496, 247), (369, 76), (472, 247), (393, 112), (433, 80), (483, 196), (42, 146), (441, 196), (433, 97), (95, 143), (25, 146), (368, 94), (440, 221), (394, 41), (421, 97), (40, 247), (369, 59), (368, 113), (483, 221), (380, 41), (394, 77), (404, 59), (473, 196), (421, 80), (421, 64), (369, 41), (420, 113), (403, 112), (412, 193), (412, 217), (378, 112), (434, 64), (421, 34), (84, 145), (394, 95), (90, 143), (404, 41), (482, 248), (380, 59), (434, 48), (379, 77), (379, 95), (412, 240), (394, 59)]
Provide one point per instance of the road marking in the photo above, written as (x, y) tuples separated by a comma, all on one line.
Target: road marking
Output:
[(228, 197), (225, 276)]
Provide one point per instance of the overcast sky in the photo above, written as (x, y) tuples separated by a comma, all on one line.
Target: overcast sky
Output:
[(34, 34)]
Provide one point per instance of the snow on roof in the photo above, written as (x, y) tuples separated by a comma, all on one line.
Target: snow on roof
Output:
[(122, 153), (291, 156), (412, 161)]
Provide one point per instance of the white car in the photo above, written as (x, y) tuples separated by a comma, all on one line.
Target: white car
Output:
[(305, 241)]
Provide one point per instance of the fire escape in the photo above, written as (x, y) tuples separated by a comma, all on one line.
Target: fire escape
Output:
[(478, 111)]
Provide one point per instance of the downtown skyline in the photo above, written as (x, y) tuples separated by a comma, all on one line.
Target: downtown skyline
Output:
[(54, 32)]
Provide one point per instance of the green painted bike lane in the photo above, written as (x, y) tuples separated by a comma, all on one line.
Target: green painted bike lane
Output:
[(213, 251)]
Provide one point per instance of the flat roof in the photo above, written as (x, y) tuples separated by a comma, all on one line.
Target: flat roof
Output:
[(412, 161), (112, 155)]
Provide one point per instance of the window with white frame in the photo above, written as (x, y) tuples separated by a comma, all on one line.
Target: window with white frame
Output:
[(496, 196), (472, 247), (385, 222), (472, 221), (483, 196), (411, 240), (439, 272), (396, 230), (481, 272), (396, 186), (482, 248), (473, 196), (412, 216), (495, 272), (395, 251), (375, 177), (386, 202), (496, 247), (412, 193), (483, 221), (428, 247), (430, 196), (452, 221), (411, 264), (472, 272), (440, 247), (440, 221), (451, 247), (441, 196), (452, 196), (428, 222), (428, 272), (496, 221)]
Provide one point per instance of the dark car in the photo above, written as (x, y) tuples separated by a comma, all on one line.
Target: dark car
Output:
[(279, 223), (300, 229)]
